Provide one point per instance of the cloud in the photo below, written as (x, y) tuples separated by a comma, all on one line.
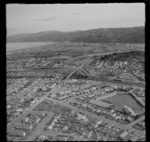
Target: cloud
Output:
[(76, 13), (46, 19)]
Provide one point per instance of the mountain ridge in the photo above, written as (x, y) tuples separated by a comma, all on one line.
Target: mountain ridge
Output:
[(100, 35)]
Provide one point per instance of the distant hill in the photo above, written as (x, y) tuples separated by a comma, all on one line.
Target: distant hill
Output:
[(102, 35)]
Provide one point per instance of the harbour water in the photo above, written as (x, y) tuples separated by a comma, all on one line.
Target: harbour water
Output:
[(22, 45)]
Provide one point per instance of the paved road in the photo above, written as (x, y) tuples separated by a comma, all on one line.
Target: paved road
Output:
[(103, 53), (37, 83), (99, 78), (125, 127), (84, 111), (84, 94), (17, 119), (72, 107), (104, 78), (79, 67), (111, 122), (107, 96), (55, 133), (40, 127), (109, 81), (89, 93), (139, 99), (136, 121)]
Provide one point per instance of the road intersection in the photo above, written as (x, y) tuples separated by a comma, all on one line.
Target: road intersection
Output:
[(102, 79)]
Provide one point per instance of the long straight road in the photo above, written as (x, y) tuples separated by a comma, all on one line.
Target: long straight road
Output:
[(36, 83), (139, 99), (41, 125), (76, 109), (91, 55), (136, 121), (104, 79), (125, 127), (79, 67), (21, 95), (105, 53), (17, 119), (111, 122)]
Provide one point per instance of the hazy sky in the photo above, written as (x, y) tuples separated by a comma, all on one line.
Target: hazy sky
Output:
[(27, 18)]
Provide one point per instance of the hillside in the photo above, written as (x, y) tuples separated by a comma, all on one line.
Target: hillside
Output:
[(107, 35)]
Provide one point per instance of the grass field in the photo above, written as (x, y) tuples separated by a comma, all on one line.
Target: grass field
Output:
[(46, 105), (60, 109), (124, 99)]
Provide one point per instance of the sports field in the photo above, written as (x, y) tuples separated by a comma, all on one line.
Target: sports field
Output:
[(125, 99)]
